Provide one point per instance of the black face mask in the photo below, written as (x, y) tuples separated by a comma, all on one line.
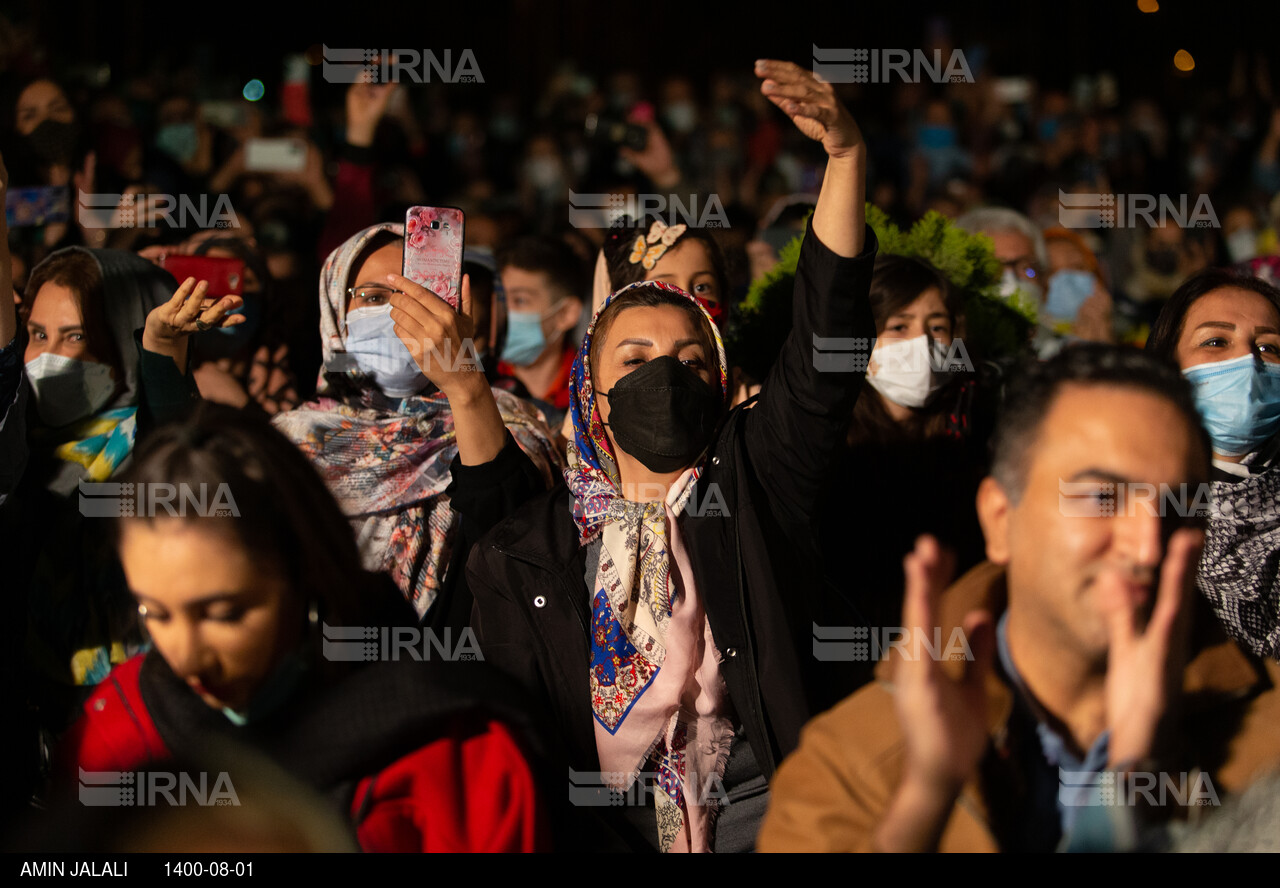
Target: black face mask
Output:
[(53, 141), (663, 414)]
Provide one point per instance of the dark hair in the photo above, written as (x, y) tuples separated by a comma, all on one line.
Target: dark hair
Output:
[(1167, 329), (551, 256), (622, 271), (1037, 385), (287, 517), (651, 297), (78, 271), (897, 282)]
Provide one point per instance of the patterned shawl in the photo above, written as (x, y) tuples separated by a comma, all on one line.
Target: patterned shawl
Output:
[(656, 691), (386, 460), (1240, 570)]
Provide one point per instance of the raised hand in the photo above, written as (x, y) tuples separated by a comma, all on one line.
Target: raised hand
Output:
[(366, 103), (440, 339), (656, 161), (943, 718), (812, 106), (189, 311), (441, 342), (1144, 663)]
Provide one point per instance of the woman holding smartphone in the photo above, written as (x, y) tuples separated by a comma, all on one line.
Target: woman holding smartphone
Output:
[(399, 411), (654, 606)]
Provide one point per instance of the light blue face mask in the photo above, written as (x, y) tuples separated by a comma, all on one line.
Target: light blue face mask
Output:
[(525, 341), (1239, 401), (373, 344), (1068, 290)]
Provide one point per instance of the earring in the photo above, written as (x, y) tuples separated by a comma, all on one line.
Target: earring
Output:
[(313, 614), (142, 611)]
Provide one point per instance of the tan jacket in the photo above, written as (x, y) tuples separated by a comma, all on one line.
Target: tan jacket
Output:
[(833, 791)]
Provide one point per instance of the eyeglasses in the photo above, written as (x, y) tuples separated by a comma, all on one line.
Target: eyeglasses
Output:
[(371, 295), (1023, 268)]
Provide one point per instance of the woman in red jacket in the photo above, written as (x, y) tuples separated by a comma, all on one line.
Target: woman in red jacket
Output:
[(243, 579)]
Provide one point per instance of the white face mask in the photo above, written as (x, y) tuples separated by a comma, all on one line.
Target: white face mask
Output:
[(1242, 245), (67, 390), (903, 369)]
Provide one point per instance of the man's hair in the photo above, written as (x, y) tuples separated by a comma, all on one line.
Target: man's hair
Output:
[(1167, 330), (549, 255), (988, 219), (1037, 385)]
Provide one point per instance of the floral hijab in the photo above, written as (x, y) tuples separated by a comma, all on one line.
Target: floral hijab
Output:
[(659, 702), (386, 460)]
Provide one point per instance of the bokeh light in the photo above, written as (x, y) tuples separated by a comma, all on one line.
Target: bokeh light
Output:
[(254, 90)]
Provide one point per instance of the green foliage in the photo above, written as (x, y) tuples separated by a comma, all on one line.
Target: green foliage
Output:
[(994, 327)]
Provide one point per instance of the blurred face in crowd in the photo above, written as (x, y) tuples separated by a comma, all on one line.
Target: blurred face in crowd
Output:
[(1229, 323), (56, 325), (370, 278), (926, 314), (1014, 250), (1065, 256), (687, 265), (41, 101), (533, 292), (221, 618), (639, 335), (1055, 548)]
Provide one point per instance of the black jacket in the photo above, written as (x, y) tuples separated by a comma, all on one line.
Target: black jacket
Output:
[(748, 534)]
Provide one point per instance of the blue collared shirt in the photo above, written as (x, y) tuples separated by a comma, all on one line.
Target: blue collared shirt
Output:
[(1060, 783)]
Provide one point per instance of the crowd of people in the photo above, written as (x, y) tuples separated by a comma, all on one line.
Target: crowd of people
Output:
[(811, 511)]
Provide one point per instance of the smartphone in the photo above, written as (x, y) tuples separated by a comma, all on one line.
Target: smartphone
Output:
[(616, 132), (42, 205), (433, 240), (225, 275), (275, 155)]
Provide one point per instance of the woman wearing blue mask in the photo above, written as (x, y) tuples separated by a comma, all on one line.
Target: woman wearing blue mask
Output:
[(1223, 331), (387, 435)]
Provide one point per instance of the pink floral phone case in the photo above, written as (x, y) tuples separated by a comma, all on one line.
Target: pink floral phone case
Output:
[(433, 251)]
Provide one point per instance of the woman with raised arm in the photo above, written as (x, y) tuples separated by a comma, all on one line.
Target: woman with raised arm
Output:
[(653, 606)]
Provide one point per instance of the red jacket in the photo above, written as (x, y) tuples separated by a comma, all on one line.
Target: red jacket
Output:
[(464, 791)]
